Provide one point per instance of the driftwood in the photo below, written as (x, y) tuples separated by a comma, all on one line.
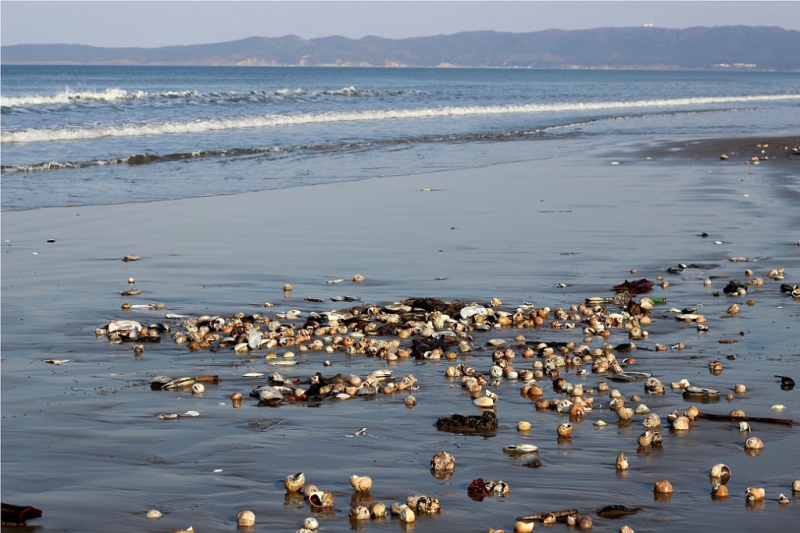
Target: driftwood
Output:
[(17, 515), (729, 418), (558, 515)]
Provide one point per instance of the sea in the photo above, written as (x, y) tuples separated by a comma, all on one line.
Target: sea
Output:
[(88, 135)]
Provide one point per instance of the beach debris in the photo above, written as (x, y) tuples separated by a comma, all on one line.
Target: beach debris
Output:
[(520, 449), (18, 515), (787, 383), (360, 433), (549, 517), (129, 258), (635, 287), (483, 423), (478, 489), (358, 278), (617, 511), (737, 419), (56, 361), (334, 281)]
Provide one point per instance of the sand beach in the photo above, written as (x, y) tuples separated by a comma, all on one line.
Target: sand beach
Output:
[(83, 440)]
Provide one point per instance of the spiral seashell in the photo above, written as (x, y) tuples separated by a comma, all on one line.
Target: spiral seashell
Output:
[(428, 505), (320, 498), (361, 483), (295, 482), (753, 443), (585, 523), (662, 486), (564, 430), (737, 413), (246, 518), (359, 512), (443, 462), (692, 412), (406, 514), (311, 523), (720, 471), (308, 489), (645, 439), (622, 462), (719, 491), (754, 494), (626, 529), (378, 510), (652, 421), (796, 485)]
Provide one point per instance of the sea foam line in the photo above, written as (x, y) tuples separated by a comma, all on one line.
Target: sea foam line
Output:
[(203, 126), (70, 97)]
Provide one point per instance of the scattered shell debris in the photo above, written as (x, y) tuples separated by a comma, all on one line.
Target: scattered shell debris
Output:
[(480, 347)]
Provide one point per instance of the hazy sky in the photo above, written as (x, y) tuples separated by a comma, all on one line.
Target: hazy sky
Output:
[(157, 23)]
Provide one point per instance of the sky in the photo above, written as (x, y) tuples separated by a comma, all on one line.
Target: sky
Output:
[(157, 23)]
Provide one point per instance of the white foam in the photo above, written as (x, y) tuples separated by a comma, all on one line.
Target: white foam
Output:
[(267, 121), (68, 97)]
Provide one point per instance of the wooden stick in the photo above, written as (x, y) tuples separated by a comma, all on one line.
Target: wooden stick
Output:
[(729, 418), (540, 516)]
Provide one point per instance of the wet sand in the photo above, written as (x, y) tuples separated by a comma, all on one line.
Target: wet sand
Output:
[(82, 441)]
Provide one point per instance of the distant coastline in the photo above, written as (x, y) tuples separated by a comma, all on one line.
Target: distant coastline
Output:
[(733, 48)]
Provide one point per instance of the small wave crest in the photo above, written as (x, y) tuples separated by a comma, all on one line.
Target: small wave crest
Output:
[(267, 121), (71, 97)]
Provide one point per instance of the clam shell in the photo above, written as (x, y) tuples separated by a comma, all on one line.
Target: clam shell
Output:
[(484, 402)]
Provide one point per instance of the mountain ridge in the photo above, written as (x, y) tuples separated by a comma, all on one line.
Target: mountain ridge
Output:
[(647, 47)]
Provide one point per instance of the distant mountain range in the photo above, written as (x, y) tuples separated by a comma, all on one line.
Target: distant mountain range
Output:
[(724, 47)]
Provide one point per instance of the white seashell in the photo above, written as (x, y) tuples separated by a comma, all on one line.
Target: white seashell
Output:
[(310, 523), (407, 515), (778, 407), (198, 388), (246, 518), (190, 414), (253, 375), (343, 396), (484, 402), (521, 448), (153, 514), (168, 417), (744, 426), (642, 409), (600, 423), (361, 483)]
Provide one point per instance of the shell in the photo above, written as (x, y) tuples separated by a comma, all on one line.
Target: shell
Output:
[(246, 518), (523, 425), (428, 505), (622, 462), (652, 421), (680, 423), (719, 491), (295, 482), (662, 486), (520, 449), (406, 514), (198, 388), (320, 498), (646, 439), (361, 483), (796, 485), (153, 514), (484, 402), (308, 489), (523, 527), (359, 512), (585, 523), (443, 462), (564, 430), (624, 413), (378, 510), (311, 523), (754, 494), (753, 443), (720, 471)]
